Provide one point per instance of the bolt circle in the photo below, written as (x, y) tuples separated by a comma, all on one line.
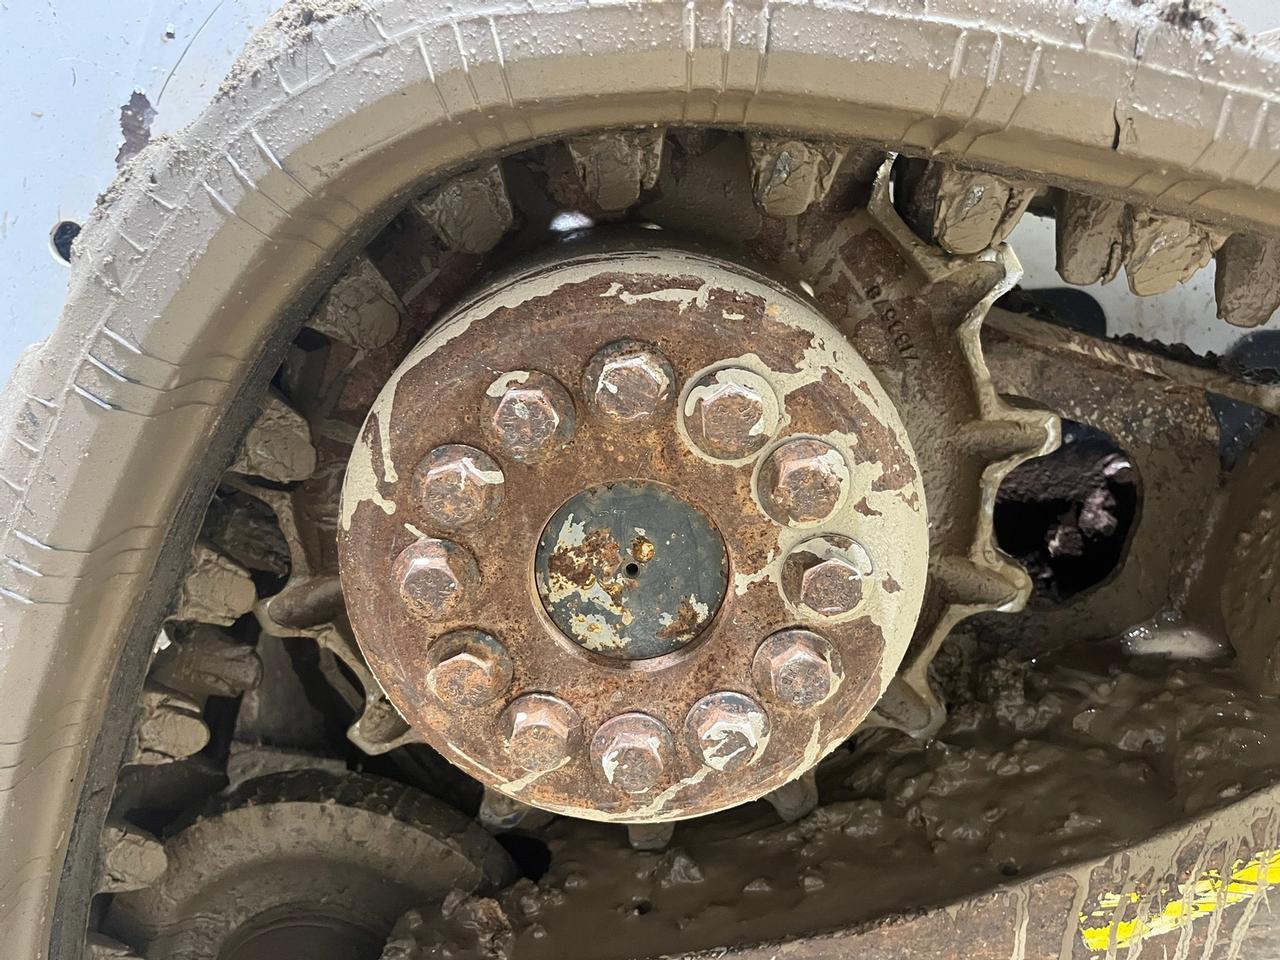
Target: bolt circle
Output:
[(531, 415), (826, 575), (628, 381), (731, 414), (540, 731), (728, 730), (631, 751), (457, 486), (435, 576), (803, 482), (797, 669), (468, 668), (643, 637)]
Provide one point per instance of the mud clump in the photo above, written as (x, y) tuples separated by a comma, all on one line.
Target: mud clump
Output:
[(462, 926)]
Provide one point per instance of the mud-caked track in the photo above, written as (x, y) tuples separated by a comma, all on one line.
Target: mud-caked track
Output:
[(284, 651)]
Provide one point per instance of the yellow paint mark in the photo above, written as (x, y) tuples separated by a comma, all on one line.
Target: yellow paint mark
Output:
[(1210, 892)]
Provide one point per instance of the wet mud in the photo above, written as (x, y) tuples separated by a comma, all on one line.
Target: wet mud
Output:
[(1040, 764)]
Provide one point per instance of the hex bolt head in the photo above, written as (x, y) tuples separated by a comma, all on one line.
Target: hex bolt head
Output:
[(540, 731), (731, 414), (826, 574), (628, 381), (468, 668), (803, 481), (531, 415), (457, 486), (435, 576), (631, 751), (727, 730), (797, 669), (831, 587)]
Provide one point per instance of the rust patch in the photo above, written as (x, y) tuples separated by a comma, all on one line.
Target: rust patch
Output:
[(875, 261), (579, 565), (686, 623)]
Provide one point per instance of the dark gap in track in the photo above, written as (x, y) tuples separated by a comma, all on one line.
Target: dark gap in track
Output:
[(1067, 516)]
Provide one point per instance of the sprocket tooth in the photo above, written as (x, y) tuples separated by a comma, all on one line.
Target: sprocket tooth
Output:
[(361, 309), (1247, 279), (962, 211), (617, 166), (797, 799), (910, 705), (789, 175), (1163, 251), (215, 590), (650, 836), (206, 661), (129, 859), (472, 212), (966, 583), (1090, 234), (169, 727), (278, 446), (380, 728), (1000, 439)]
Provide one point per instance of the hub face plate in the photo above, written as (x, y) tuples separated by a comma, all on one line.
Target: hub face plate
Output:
[(630, 570), (676, 451)]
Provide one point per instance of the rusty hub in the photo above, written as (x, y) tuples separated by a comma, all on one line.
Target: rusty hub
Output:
[(634, 537)]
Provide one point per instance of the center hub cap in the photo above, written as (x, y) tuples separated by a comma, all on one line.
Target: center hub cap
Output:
[(630, 570), (633, 538)]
